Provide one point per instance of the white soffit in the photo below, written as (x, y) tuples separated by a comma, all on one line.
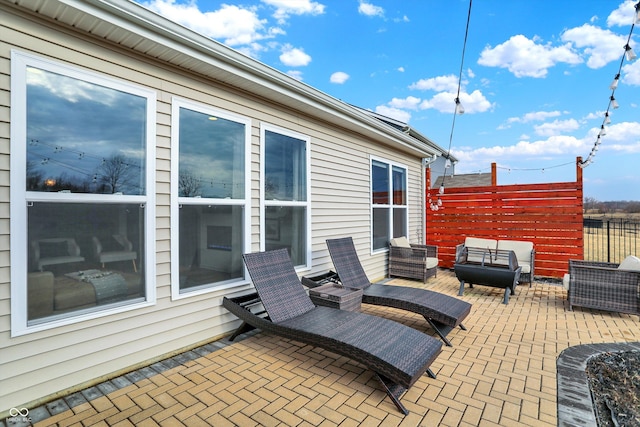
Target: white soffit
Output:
[(134, 27)]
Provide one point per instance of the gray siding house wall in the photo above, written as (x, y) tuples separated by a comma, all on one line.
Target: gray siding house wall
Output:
[(104, 271)]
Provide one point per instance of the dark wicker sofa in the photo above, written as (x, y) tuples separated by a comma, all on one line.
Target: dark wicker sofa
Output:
[(603, 286)]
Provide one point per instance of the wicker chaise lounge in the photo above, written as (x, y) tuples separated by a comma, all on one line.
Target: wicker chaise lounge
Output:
[(443, 312), (397, 354)]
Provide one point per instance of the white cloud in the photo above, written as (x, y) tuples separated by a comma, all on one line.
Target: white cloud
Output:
[(593, 116), (230, 24), (438, 84), (409, 103), (553, 146), (286, 8), (631, 73), (557, 127), (526, 57), (400, 69), (600, 46), (535, 116), (296, 74), (294, 57), (627, 132), (622, 138), (623, 15), (339, 77), (370, 9), (444, 102), (394, 113)]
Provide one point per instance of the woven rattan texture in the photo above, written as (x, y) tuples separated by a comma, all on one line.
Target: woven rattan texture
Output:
[(433, 305)]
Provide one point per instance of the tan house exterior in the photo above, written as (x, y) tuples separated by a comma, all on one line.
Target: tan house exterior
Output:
[(139, 161)]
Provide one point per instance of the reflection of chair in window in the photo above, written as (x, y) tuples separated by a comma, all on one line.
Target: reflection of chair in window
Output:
[(55, 251), (114, 248)]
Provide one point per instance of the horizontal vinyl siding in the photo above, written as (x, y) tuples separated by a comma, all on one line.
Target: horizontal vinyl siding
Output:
[(37, 365)]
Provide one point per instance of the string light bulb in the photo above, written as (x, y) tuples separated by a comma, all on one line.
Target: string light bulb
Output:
[(631, 55), (637, 13), (614, 83), (459, 107), (607, 118), (603, 131), (614, 103)]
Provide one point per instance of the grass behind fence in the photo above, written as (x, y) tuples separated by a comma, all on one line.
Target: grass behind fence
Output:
[(614, 240)]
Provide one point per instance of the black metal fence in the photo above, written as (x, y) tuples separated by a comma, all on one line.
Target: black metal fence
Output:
[(610, 239)]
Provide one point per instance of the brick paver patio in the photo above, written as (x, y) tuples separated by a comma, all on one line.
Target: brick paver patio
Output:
[(500, 372)]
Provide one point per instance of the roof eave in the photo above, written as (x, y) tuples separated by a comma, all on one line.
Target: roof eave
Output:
[(220, 62)]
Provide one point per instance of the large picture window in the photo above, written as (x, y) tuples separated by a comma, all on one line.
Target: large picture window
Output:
[(388, 202), (81, 179), (285, 193), (210, 197)]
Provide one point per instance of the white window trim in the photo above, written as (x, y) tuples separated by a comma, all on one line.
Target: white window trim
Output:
[(264, 127), (19, 197), (390, 206), (176, 201)]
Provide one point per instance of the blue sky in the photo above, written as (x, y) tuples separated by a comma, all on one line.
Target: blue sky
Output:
[(535, 78)]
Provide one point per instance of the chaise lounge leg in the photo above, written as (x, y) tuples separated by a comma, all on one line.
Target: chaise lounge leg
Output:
[(394, 391), (244, 327), (461, 291), (441, 329)]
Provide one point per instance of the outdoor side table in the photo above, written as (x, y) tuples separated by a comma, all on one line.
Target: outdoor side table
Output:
[(321, 279), (331, 295)]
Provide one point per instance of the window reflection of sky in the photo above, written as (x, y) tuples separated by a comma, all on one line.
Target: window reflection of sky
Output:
[(211, 155), (73, 126), (380, 182), (285, 167)]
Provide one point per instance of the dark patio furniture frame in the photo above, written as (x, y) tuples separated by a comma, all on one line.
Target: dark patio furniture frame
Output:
[(397, 354), (531, 260), (412, 262), (601, 285), (443, 312), (497, 268)]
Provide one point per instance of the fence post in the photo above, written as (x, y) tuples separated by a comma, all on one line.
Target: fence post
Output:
[(608, 241)]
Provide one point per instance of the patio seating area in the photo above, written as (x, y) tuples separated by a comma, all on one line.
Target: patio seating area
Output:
[(501, 371)]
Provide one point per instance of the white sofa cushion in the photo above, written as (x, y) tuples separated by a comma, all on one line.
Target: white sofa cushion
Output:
[(480, 243), (477, 242), (400, 242), (631, 263), (522, 251), (431, 262)]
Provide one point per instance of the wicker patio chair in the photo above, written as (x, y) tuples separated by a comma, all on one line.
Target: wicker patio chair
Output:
[(397, 354), (603, 286), (443, 312), (411, 260)]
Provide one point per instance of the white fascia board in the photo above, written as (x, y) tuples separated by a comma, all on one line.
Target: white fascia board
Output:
[(132, 17)]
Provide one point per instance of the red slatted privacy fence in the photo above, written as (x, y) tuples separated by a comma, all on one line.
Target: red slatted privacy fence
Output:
[(549, 215)]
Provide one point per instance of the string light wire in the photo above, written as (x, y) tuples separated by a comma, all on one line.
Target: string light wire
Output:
[(629, 55), (459, 109)]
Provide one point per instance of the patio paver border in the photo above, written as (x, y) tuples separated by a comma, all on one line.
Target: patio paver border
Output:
[(575, 405)]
